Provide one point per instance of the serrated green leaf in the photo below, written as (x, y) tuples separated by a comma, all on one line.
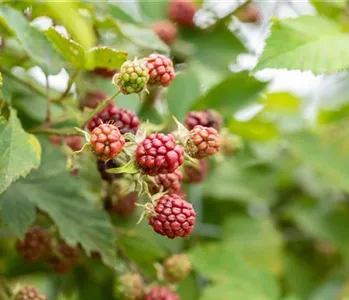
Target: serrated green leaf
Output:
[(231, 94), (105, 57), (20, 152), (70, 49), (294, 44), (57, 193), (32, 40)]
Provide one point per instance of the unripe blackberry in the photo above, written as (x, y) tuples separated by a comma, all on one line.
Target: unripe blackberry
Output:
[(133, 77), (168, 182), (172, 216), (55, 140), (123, 205), (161, 71), (206, 118), (177, 267), (159, 154), (182, 12), (104, 72), (29, 293), (161, 293), (65, 258), (92, 99), (231, 144), (125, 120), (36, 244), (196, 174), (129, 286), (165, 30), (74, 142), (106, 141), (103, 166), (202, 142)]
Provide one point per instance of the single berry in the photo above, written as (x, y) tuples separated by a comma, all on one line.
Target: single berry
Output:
[(107, 141), (133, 77), (125, 120), (177, 267), (159, 154), (74, 142), (103, 166), (161, 293), (165, 30), (231, 144), (65, 258), (207, 118), (170, 182), (36, 244), (202, 142), (196, 173), (249, 14), (172, 216), (161, 70), (123, 205), (92, 99), (55, 140), (29, 293), (129, 286), (182, 12), (104, 72)]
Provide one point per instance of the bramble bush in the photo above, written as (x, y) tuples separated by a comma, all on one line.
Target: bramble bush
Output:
[(136, 179)]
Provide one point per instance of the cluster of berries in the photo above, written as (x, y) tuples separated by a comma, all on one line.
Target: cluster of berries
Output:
[(39, 245), (173, 271), (29, 293)]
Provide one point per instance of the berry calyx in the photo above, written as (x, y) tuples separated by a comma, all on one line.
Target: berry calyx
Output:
[(129, 286), (168, 182), (165, 30), (161, 71), (123, 205), (182, 12), (177, 267), (196, 173), (161, 293), (36, 244), (92, 99), (65, 258), (207, 118), (133, 77), (106, 141), (29, 293), (202, 142), (172, 216), (125, 120), (158, 153)]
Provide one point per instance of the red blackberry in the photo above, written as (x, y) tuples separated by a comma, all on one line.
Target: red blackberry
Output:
[(65, 258), (196, 174), (55, 140), (172, 216), (177, 267), (165, 30), (74, 142), (36, 244), (92, 99), (103, 166), (161, 293), (207, 118), (168, 182), (161, 70), (182, 12), (203, 142), (159, 154), (107, 141), (29, 293), (104, 72), (124, 205)]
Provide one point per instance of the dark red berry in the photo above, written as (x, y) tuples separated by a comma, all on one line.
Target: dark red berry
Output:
[(36, 244), (65, 258), (29, 293), (173, 216), (127, 121), (161, 293), (207, 118), (165, 30), (107, 141), (159, 154), (74, 142), (104, 72), (182, 12), (170, 182), (202, 142), (103, 166), (92, 99), (55, 140), (161, 71), (196, 173), (124, 205)]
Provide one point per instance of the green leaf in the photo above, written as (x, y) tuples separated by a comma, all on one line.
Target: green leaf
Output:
[(330, 9), (55, 192), (20, 152), (70, 49), (188, 289), (294, 44), (182, 93), (105, 57), (32, 40), (128, 168), (155, 10), (233, 93)]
